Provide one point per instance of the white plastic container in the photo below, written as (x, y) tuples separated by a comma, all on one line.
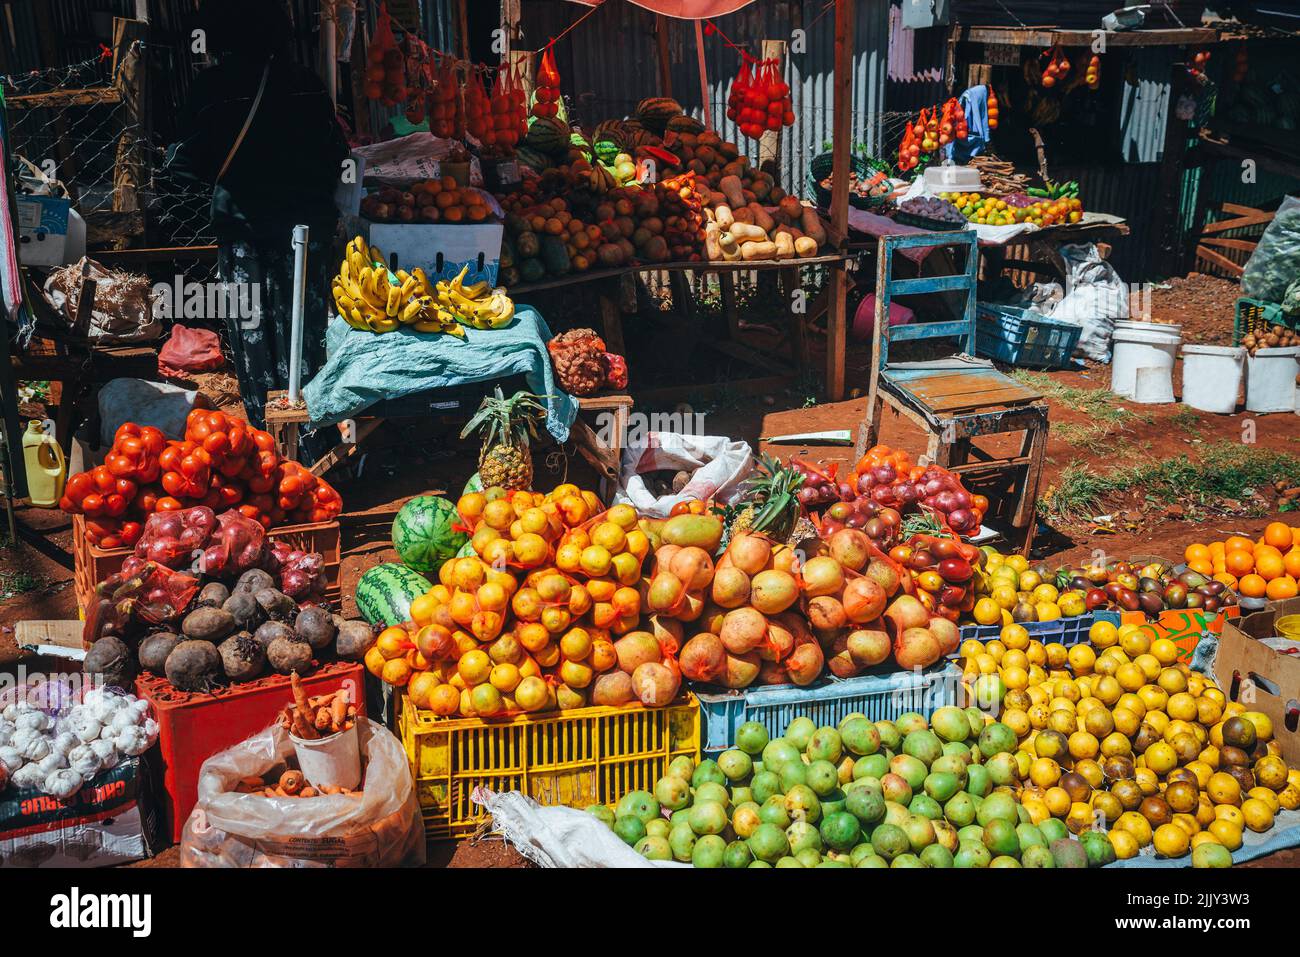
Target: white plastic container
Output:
[(1143, 345), (953, 179), (1212, 377), (1270, 379), (330, 762)]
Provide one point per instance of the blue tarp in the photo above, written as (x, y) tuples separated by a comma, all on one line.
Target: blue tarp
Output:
[(1284, 833), (364, 368)]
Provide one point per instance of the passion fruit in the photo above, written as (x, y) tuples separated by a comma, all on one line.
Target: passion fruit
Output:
[(1156, 810)]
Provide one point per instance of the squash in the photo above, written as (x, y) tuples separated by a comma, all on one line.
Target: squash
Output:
[(812, 226), (758, 250), (731, 188), (745, 232), (761, 218), (790, 209), (729, 246), (743, 214), (784, 245), (722, 216), (805, 246), (712, 247), (527, 245), (555, 257)]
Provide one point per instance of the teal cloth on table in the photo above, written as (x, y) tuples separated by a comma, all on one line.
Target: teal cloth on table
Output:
[(1284, 833), (363, 368)]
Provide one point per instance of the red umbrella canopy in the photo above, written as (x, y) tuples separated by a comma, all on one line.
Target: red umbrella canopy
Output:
[(682, 9)]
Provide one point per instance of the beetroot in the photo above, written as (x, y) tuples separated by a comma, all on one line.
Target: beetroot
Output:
[(194, 666)]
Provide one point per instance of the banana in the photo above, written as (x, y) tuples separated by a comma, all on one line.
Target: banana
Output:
[(479, 290), (412, 311), (394, 304)]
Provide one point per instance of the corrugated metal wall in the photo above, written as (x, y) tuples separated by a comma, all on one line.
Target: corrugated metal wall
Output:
[(1071, 14), (1144, 105), (612, 57)]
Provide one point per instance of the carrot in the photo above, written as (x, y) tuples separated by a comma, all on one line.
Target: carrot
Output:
[(322, 719), (299, 693), (339, 711), (292, 782)]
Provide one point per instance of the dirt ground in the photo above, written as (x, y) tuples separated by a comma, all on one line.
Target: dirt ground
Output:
[(410, 457)]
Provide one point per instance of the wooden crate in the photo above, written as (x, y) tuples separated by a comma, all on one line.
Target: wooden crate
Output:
[(93, 564)]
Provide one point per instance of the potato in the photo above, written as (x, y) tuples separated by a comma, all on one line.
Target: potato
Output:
[(354, 640), (242, 657), (155, 649), (315, 626), (208, 624), (111, 660), (271, 630), (194, 666), (288, 655), (247, 612)]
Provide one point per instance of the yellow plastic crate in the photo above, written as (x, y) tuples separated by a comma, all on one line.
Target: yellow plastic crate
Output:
[(571, 758)]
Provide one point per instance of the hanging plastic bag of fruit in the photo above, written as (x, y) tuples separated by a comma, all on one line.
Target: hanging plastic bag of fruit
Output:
[(739, 89), (386, 69), (546, 94), (478, 109), (443, 98)]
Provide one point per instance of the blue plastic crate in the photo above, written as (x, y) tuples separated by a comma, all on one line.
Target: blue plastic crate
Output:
[(880, 697), (1022, 338), (1066, 631)]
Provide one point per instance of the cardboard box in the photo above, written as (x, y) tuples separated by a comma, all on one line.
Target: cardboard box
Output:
[(1259, 677), (441, 250), (43, 230), (109, 821)]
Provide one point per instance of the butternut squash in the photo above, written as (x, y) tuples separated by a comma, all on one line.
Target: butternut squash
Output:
[(712, 247), (742, 214), (729, 246), (758, 250), (731, 188), (784, 246), (805, 246), (746, 232), (790, 209), (812, 226), (722, 216)]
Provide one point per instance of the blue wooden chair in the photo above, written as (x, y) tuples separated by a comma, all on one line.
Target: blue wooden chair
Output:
[(953, 401)]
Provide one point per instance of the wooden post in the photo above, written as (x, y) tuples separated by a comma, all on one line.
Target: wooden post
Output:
[(665, 60), (769, 144), (841, 137), (704, 75), (131, 79), (519, 60), (462, 29)]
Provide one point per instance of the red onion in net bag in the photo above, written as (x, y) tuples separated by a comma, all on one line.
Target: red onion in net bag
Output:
[(238, 545), (172, 538)]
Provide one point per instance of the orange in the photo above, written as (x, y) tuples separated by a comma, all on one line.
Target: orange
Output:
[(1269, 565), (1280, 588), (1278, 534), (1218, 549), (1252, 586), (1196, 553), (1238, 543), (1291, 562), (1226, 578), (1239, 562), (1202, 566)]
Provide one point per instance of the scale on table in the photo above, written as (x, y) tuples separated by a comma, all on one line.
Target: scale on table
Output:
[(948, 178)]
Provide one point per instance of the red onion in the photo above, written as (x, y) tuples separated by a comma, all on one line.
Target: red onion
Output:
[(961, 520)]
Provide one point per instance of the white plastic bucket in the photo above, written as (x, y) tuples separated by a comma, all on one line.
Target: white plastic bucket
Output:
[(1153, 385), (330, 762), (1270, 379), (1143, 345), (1212, 377)]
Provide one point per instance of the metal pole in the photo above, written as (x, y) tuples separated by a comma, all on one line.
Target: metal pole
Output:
[(300, 234)]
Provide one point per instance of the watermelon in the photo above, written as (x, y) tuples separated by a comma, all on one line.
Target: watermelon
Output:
[(425, 533), (385, 592)]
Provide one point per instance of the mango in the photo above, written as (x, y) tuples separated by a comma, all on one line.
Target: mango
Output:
[(702, 531)]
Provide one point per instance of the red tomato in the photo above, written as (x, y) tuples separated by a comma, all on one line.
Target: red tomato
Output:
[(239, 444), (230, 466), (131, 532), (110, 541), (249, 511), (153, 440), (230, 495), (92, 504), (291, 485), (147, 500), (198, 430), (68, 505), (263, 440), (170, 458), (173, 483), (191, 466), (218, 422), (114, 504), (104, 479), (169, 504), (125, 488), (218, 443), (79, 485)]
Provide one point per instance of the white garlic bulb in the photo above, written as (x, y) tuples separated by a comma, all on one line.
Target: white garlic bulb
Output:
[(63, 783)]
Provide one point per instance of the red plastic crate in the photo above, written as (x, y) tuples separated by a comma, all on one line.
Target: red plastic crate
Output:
[(194, 727), (93, 564)]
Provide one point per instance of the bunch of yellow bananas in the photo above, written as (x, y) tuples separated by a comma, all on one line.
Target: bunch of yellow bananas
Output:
[(372, 298), (478, 305)]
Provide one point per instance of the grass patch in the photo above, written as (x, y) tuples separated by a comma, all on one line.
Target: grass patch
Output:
[(17, 583), (1225, 470), (1188, 420), (1100, 405)]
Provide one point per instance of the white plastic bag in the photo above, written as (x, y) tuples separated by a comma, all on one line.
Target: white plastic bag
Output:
[(718, 466), (558, 836), (381, 827), (1095, 297)]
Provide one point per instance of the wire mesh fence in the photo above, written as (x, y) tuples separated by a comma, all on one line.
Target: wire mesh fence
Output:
[(75, 127)]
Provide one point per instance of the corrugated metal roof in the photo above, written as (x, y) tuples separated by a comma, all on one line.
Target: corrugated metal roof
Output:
[(1070, 14), (1144, 104), (610, 62)]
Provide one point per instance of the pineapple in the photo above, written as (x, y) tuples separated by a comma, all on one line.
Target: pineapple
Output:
[(770, 505), (505, 425)]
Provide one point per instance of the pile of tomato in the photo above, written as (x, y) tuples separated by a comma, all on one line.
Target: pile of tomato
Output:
[(221, 463)]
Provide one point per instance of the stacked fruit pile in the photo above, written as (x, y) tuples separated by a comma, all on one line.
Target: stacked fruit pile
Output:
[(221, 463), (1266, 568), (543, 613), (902, 793), (1007, 590), (1009, 210), (1120, 731)]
